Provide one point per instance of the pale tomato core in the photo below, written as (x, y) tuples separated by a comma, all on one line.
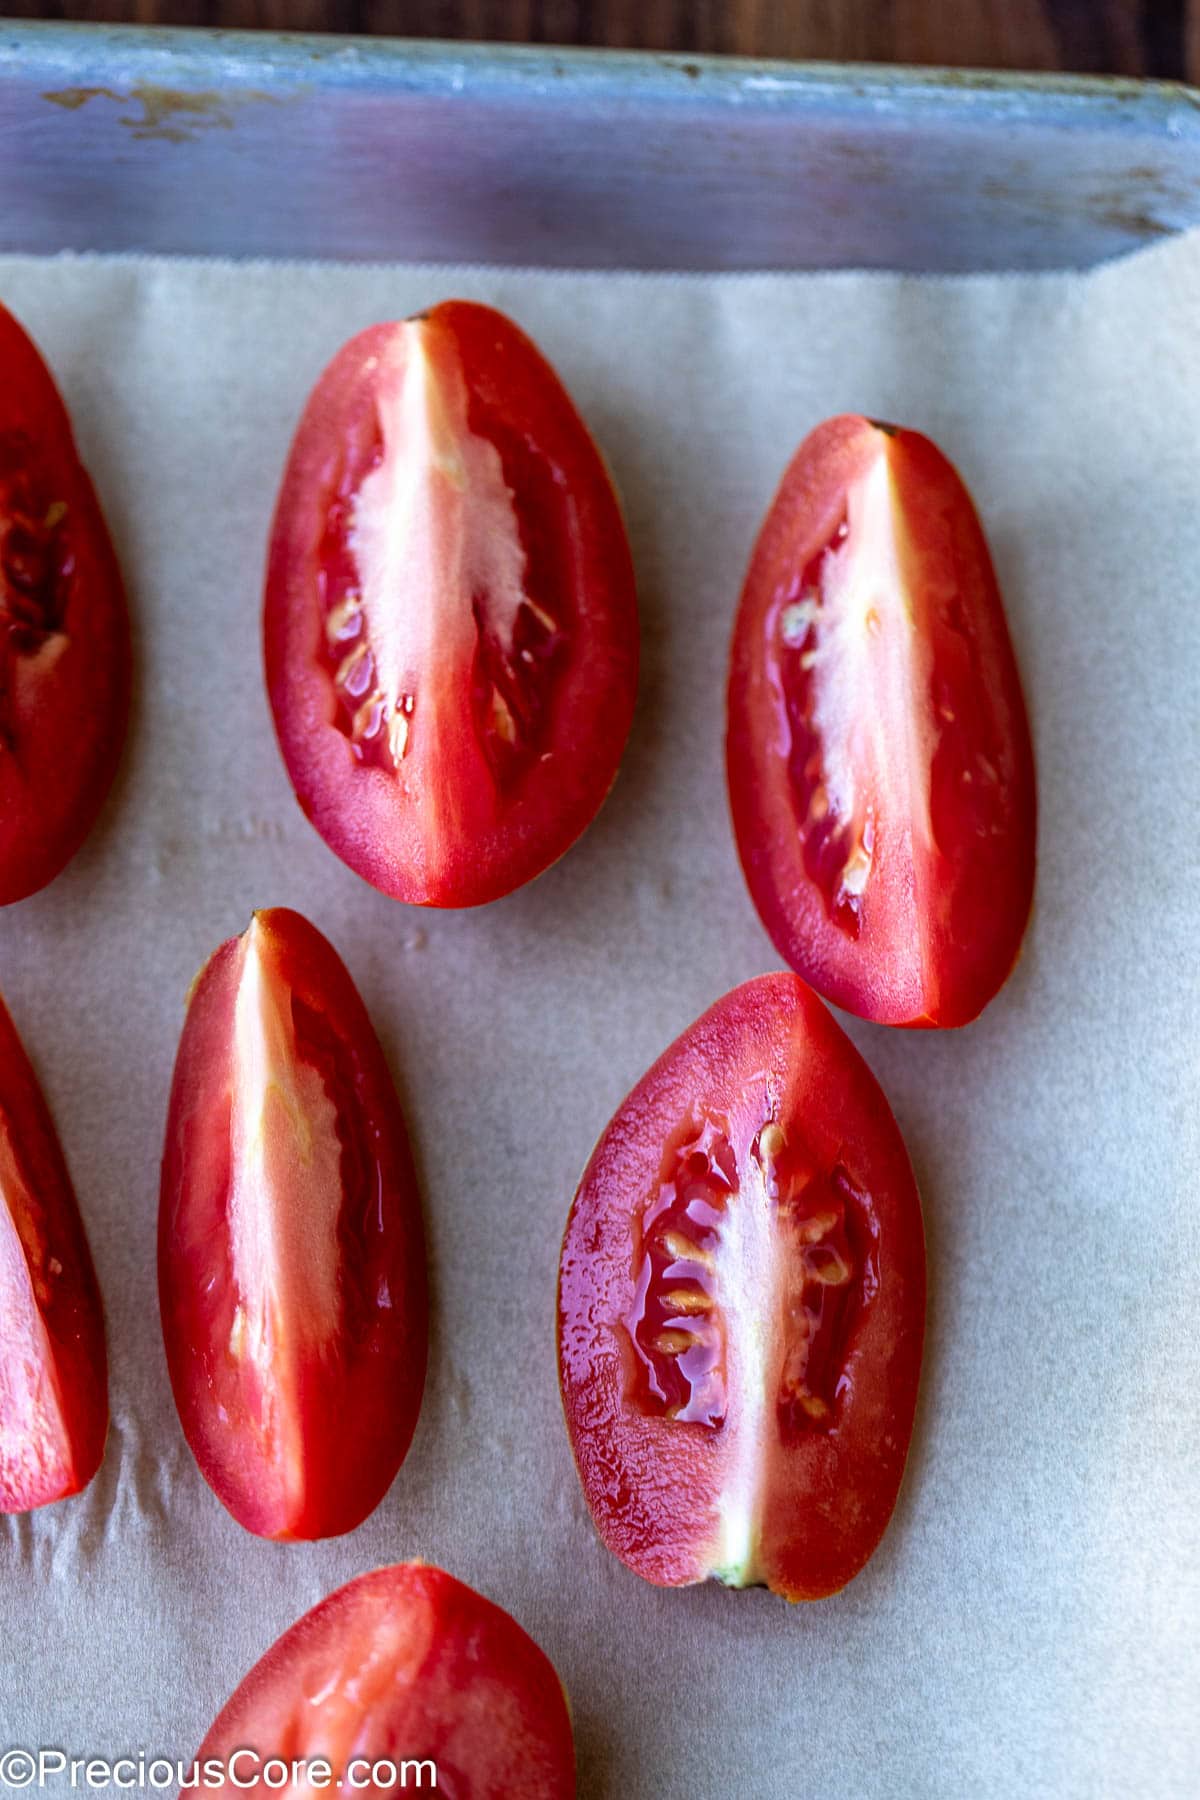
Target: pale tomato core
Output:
[(429, 584), (852, 664), (284, 1204), (35, 1455)]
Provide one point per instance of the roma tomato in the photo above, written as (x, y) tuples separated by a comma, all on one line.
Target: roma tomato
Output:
[(53, 1367), (64, 631), (400, 1669), (880, 768), (741, 1305), (450, 622), (291, 1268)]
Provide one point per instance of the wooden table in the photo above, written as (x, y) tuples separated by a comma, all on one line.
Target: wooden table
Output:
[(1130, 37)]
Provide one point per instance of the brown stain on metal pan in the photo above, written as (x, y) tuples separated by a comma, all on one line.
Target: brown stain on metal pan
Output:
[(1130, 206), (174, 115)]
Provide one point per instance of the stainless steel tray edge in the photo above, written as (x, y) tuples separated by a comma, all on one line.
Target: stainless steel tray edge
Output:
[(255, 144)]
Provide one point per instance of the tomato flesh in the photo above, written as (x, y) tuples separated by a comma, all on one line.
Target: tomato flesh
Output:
[(741, 1305), (880, 766), (408, 1666), (450, 619), (64, 631), (291, 1259), (53, 1366)]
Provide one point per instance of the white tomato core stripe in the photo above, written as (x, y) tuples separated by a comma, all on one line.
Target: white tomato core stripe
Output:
[(34, 1443), (434, 536), (285, 1198), (873, 664), (747, 1277)]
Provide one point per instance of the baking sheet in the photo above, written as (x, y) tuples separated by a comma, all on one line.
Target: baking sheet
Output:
[(1029, 1624)]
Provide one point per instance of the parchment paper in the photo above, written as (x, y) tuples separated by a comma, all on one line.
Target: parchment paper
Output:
[(1029, 1625)]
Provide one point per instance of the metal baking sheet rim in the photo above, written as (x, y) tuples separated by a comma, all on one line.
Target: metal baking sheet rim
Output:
[(119, 139)]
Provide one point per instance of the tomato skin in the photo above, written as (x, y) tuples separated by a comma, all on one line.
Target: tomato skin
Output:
[(291, 1261), (64, 631), (924, 720), (52, 1434), (436, 807), (439, 1673), (761, 1492)]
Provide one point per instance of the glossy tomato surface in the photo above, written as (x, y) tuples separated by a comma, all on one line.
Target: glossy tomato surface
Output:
[(880, 767), (291, 1261), (64, 631), (450, 624), (53, 1367), (404, 1666), (741, 1305)]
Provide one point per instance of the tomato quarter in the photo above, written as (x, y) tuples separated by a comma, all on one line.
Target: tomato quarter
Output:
[(450, 622), (290, 1253), (53, 1367), (64, 631), (400, 1669), (880, 768), (741, 1305)]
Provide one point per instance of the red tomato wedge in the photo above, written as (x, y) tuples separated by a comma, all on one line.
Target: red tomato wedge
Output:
[(451, 623), (741, 1305), (291, 1264), (53, 1366), (64, 631), (880, 767), (399, 1670)]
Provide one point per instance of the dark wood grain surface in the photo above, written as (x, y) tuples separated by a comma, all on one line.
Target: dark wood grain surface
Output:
[(1128, 37)]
